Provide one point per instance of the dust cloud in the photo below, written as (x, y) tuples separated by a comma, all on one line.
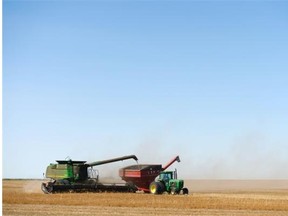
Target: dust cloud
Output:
[(250, 155), (33, 186)]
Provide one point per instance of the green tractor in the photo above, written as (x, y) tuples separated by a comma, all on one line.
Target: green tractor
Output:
[(167, 182)]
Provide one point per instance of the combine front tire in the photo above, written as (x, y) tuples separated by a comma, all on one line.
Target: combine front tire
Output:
[(156, 188)]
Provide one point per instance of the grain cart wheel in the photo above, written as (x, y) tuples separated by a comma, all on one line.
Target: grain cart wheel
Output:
[(156, 188), (131, 187), (185, 191)]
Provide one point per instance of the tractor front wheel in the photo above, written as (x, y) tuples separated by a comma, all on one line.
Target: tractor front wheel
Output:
[(185, 191)]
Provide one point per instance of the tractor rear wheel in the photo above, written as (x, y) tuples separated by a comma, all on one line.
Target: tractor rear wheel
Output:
[(156, 188)]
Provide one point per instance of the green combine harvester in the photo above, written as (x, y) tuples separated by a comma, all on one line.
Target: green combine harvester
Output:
[(69, 175)]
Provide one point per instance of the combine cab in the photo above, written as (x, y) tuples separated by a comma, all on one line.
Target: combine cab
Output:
[(69, 175)]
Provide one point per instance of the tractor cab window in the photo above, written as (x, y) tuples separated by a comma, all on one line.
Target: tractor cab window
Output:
[(166, 176)]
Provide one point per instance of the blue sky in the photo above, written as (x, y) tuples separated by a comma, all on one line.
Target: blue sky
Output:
[(95, 79)]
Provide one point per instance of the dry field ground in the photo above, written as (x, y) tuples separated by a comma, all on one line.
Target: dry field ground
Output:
[(207, 197)]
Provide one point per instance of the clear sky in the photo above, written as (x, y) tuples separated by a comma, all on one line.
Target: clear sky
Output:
[(206, 80)]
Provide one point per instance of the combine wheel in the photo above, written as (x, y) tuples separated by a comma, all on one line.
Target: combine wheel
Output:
[(156, 188)]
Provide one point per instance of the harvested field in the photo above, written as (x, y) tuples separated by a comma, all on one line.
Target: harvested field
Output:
[(23, 197)]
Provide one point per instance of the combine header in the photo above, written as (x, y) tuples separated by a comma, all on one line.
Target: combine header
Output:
[(69, 175)]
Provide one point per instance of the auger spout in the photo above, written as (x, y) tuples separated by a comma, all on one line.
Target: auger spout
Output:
[(171, 162)]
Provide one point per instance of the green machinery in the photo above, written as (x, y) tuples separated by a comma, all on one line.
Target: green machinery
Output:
[(168, 182), (69, 175)]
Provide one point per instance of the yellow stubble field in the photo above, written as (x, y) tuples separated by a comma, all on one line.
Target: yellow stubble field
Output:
[(207, 197)]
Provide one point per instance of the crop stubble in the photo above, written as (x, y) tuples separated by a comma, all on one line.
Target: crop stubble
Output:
[(25, 198)]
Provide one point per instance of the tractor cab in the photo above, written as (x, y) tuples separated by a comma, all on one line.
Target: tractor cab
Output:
[(166, 176)]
